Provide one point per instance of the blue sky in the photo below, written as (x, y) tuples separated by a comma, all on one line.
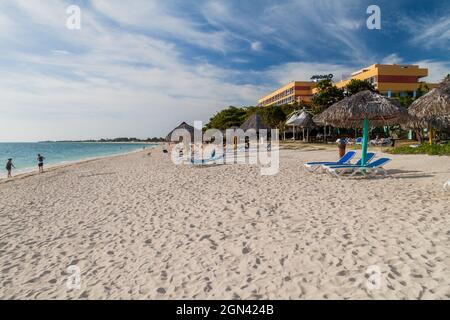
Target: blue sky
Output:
[(138, 68)]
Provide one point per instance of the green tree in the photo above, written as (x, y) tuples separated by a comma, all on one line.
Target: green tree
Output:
[(272, 115), (227, 118), (355, 86), (289, 108), (405, 101), (327, 94), (422, 89)]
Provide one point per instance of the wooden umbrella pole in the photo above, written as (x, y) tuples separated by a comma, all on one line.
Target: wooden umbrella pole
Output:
[(430, 134)]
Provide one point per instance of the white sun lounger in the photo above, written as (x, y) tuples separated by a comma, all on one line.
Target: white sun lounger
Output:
[(370, 169)]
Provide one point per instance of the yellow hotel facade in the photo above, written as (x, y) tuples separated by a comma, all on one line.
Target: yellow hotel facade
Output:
[(290, 93), (388, 79)]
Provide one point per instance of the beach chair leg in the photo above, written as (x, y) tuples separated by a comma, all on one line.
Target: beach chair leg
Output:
[(341, 174), (333, 173), (372, 173), (355, 172)]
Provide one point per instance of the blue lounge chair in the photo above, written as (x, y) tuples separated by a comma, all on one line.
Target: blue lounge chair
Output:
[(370, 169), (312, 166), (369, 157)]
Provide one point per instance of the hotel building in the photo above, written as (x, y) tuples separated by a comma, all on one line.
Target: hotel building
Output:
[(389, 80), (290, 93)]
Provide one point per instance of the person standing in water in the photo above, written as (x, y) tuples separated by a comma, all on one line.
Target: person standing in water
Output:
[(9, 166), (40, 160)]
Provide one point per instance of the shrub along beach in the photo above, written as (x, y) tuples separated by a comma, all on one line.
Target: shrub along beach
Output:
[(433, 149)]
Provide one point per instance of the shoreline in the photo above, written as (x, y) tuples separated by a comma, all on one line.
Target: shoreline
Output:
[(49, 168), (122, 142)]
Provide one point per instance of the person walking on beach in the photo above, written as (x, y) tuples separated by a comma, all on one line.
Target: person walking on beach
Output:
[(40, 160), (9, 166)]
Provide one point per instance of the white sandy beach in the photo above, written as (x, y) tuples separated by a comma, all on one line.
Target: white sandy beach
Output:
[(140, 227)]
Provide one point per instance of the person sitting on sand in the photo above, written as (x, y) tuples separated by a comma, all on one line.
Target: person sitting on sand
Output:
[(9, 166), (40, 160)]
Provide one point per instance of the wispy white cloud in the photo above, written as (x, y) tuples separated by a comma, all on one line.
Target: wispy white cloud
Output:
[(139, 67), (114, 82), (256, 46), (294, 25), (430, 31), (391, 59), (158, 17), (5, 24)]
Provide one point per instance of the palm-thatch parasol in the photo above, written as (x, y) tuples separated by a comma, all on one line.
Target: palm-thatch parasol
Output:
[(318, 120), (417, 124), (190, 129), (413, 123), (254, 122), (303, 120), (357, 110), (321, 123), (291, 122), (441, 122), (434, 108)]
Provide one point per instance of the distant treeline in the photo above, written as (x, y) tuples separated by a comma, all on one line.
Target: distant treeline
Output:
[(122, 139)]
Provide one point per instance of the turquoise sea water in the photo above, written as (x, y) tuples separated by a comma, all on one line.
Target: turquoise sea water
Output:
[(24, 154)]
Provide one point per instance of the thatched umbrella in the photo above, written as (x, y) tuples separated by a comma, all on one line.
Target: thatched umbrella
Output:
[(303, 120), (186, 127), (321, 123), (442, 123), (357, 110), (254, 122), (433, 108), (413, 123), (291, 122), (417, 124)]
